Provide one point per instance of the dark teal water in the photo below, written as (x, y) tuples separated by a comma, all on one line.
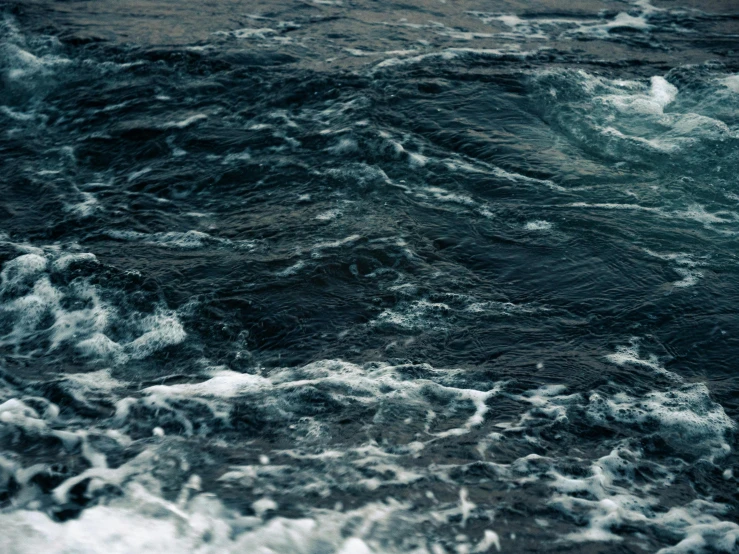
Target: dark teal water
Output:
[(369, 278)]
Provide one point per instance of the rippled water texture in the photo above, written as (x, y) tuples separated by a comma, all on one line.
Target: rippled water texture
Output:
[(361, 277)]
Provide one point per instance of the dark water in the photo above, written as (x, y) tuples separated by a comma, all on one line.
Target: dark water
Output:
[(369, 277)]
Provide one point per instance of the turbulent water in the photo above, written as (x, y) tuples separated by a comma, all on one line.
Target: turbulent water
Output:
[(369, 277)]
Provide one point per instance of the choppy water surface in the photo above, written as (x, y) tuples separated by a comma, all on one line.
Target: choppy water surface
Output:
[(363, 277)]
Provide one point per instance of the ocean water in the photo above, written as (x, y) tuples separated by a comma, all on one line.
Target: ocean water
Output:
[(356, 277)]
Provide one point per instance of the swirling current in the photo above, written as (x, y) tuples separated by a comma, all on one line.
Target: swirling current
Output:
[(369, 277)]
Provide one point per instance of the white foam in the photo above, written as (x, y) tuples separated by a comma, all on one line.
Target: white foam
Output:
[(700, 531), (316, 250), (629, 355), (344, 145), (489, 539), (616, 206), (609, 508), (548, 28), (606, 502), (444, 195), (687, 267), (144, 522), (454, 53), (21, 270), (503, 308), (20, 116), (603, 30), (249, 33), (374, 384), (291, 270), (224, 384), (415, 316), (237, 157), (731, 82), (136, 174), (661, 93), (440, 194), (698, 213), (71, 324), (328, 215), (360, 173), (633, 120), (25, 65), (63, 262), (181, 124), (87, 205), (16, 413), (686, 418), (538, 225), (716, 221), (36, 310), (186, 240), (263, 505), (160, 329)]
